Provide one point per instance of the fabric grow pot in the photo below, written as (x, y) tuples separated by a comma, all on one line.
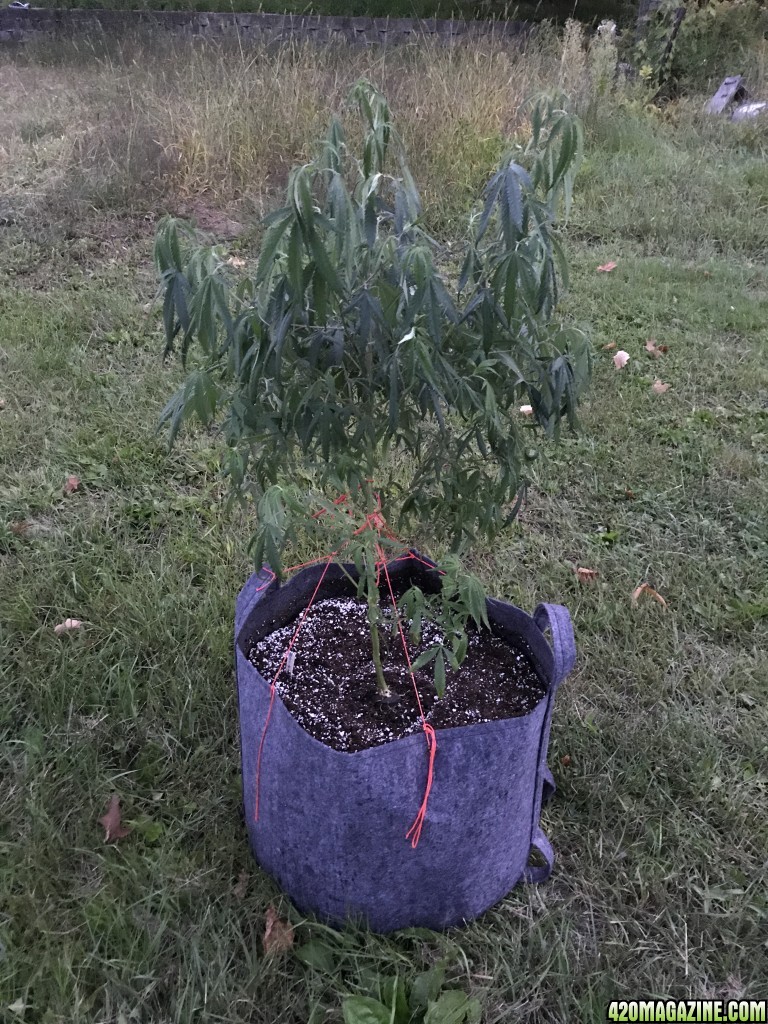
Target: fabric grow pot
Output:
[(332, 826)]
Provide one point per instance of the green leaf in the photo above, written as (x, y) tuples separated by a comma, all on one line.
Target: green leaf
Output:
[(451, 1007), (425, 657), (426, 987), (440, 673), (317, 954), (271, 243), (393, 995), (514, 195), (364, 1010)]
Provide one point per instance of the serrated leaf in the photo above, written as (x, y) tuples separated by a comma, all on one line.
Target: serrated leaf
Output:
[(514, 195), (425, 657), (440, 673)]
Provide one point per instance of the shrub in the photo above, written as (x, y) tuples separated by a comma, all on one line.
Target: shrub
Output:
[(357, 362)]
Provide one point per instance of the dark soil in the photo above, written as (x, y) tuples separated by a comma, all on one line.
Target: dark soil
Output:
[(332, 689)]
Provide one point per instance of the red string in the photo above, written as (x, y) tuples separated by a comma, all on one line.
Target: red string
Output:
[(373, 521), (414, 832)]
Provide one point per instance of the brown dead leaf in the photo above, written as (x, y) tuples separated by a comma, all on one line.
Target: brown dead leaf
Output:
[(609, 347), (73, 484), (67, 626), (629, 494), (587, 575), (565, 760), (659, 387), (113, 828), (20, 527), (606, 268), (241, 887), (646, 588), (278, 934), (655, 350)]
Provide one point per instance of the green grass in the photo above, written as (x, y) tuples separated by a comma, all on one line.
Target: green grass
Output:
[(660, 818)]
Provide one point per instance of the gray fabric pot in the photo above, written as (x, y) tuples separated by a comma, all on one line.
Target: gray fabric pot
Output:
[(332, 826)]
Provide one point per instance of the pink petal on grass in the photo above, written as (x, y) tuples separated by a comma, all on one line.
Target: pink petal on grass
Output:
[(659, 387), (608, 267), (72, 485), (67, 625), (621, 359), (526, 410), (587, 575)]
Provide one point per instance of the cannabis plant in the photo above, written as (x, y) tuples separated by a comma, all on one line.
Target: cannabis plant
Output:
[(363, 378)]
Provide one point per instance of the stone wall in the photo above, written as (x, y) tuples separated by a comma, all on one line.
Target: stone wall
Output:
[(23, 25)]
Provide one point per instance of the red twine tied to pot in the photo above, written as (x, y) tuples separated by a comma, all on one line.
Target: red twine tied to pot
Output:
[(373, 521)]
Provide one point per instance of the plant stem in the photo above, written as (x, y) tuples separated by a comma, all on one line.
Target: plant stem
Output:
[(373, 601), (372, 594)]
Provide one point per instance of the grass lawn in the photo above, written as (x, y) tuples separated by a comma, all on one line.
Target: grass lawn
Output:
[(659, 741)]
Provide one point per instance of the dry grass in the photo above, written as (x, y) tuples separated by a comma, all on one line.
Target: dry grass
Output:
[(178, 119)]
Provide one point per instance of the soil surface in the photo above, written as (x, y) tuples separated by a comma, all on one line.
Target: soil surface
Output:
[(332, 693)]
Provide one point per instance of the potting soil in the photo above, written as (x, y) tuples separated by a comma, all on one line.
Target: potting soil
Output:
[(329, 684)]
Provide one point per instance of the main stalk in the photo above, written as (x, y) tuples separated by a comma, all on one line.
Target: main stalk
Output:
[(370, 557)]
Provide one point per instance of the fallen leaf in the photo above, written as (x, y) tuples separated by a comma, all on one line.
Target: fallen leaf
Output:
[(609, 347), (629, 494), (659, 387), (66, 626), (235, 261), (278, 934), (526, 410), (72, 485), (565, 760), (113, 828), (608, 267), (587, 575), (241, 887), (2, 403), (621, 359), (20, 527), (645, 588), (655, 350)]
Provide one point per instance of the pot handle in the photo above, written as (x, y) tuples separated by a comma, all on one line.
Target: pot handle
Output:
[(541, 873), (557, 618)]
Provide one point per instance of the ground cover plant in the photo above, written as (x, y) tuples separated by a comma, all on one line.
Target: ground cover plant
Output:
[(659, 742)]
